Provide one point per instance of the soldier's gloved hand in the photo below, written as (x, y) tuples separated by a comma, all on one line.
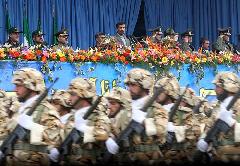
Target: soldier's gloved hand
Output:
[(202, 145), (81, 124), (54, 155), (112, 146), (170, 127), (226, 116), (139, 116), (25, 121), (1, 155)]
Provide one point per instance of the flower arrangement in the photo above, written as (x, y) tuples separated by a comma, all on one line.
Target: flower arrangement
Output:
[(154, 56)]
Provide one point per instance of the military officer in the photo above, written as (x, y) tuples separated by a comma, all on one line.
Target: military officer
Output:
[(38, 39), (62, 39), (222, 44), (156, 36), (170, 39), (13, 38), (185, 45)]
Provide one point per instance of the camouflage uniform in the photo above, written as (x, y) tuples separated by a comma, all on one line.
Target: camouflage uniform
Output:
[(168, 42), (45, 134), (61, 97), (10, 43), (59, 45), (221, 45), (121, 119), (9, 105), (87, 150), (145, 147), (226, 148)]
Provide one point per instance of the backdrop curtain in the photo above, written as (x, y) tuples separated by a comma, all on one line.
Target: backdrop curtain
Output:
[(83, 18), (203, 16)]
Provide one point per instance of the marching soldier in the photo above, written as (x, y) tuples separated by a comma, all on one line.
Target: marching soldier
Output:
[(13, 38), (62, 40), (95, 129), (120, 110), (145, 146), (60, 100), (171, 91), (222, 43), (226, 145), (44, 135), (38, 39)]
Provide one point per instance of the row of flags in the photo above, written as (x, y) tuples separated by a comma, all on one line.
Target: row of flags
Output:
[(26, 31)]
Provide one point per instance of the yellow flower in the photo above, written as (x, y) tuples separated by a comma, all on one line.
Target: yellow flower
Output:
[(60, 53), (164, 60), (2, 54), (204, 60), (172, 63), (197, 60)]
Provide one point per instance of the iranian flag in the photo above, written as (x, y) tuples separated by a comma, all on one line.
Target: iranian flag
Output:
[(26, 33)]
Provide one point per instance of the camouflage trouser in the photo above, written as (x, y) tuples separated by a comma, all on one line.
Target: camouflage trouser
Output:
[(27, 158), (177, 154), (80, 156), (145, 155), (227, 153)]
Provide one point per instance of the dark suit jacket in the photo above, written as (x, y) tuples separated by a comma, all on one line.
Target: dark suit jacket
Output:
[(120, 41)]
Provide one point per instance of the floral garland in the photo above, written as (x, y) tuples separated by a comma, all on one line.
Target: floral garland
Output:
[(154, 56)]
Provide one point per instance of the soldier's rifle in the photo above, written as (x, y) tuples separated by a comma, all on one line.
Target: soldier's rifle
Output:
[(218, 127), (19, 132), (74, 135), (171, 135), (134, 126)]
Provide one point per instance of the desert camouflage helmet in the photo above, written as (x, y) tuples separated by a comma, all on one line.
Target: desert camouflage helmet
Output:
[(121, 95), (229, 81), (189, 96), (30, 78), (82, 87), (61, 97), (8, 103), (140, 76), (170, 85)]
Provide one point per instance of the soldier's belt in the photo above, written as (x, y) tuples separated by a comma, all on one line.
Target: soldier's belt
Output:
[(228, 149), (144, 148), (226, 142), (29, 147), (85, 152)]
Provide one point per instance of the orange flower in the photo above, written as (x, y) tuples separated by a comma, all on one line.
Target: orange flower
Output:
[(62, 59), (53, 56), (38, 52), (122, 58), (108, 52), (94, 58), (44, 59)]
